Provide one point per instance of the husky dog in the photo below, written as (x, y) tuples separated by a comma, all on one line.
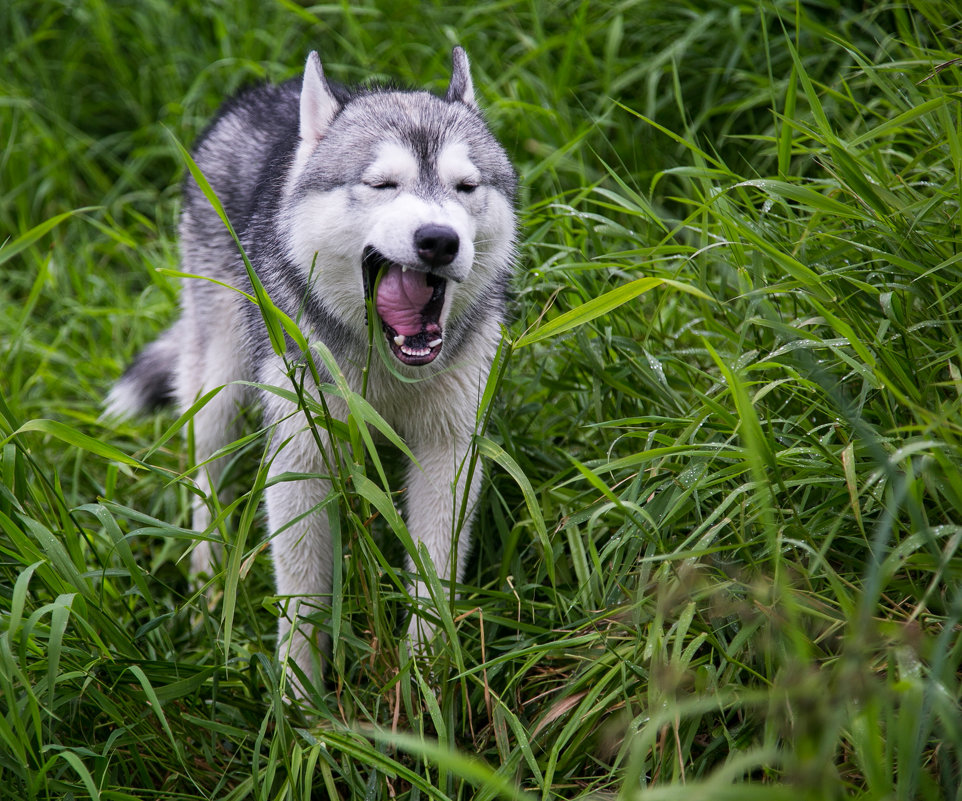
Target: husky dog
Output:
[(340, 195)]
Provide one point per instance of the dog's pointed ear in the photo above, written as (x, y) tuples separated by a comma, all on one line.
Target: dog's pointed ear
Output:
[(460, 89), (318, 104)]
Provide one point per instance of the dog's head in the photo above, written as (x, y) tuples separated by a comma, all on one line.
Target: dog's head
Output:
[(404, 197)]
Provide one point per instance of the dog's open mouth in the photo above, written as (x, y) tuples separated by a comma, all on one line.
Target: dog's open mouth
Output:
[(408, 303)]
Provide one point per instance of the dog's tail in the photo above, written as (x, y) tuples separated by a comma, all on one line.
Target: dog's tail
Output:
[(148, 383)]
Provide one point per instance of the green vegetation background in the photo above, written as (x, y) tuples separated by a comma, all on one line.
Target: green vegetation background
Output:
[(718, 551)]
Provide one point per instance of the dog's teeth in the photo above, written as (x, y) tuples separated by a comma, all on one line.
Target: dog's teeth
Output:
[(404, 268), (434, 343), (399, 340)]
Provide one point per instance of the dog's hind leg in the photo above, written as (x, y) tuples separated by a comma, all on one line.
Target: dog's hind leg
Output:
[(215, 426), (211, 358)]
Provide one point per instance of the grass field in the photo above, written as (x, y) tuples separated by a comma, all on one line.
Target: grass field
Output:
[(719, 543)]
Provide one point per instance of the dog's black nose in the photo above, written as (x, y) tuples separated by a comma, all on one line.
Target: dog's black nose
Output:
[(437, 245)]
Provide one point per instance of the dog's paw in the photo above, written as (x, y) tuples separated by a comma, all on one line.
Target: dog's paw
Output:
[(202, 562), (203, 568), (420, 634)]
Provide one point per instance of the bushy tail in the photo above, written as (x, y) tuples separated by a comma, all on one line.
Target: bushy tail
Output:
[(148, 383)]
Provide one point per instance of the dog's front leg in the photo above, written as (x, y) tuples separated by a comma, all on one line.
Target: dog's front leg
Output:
[(439, 486), (300, 544)]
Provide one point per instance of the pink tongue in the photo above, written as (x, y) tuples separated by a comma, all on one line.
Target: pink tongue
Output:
[(401, 297)]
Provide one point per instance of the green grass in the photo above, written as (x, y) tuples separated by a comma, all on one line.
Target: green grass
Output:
[(719, 545)]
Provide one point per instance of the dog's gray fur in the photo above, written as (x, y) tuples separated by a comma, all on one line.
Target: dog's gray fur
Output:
[(324, 185)]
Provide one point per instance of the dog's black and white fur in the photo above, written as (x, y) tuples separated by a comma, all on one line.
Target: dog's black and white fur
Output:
[(333, 192)]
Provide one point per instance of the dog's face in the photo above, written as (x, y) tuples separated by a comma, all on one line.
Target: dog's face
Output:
[(403, 197)]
